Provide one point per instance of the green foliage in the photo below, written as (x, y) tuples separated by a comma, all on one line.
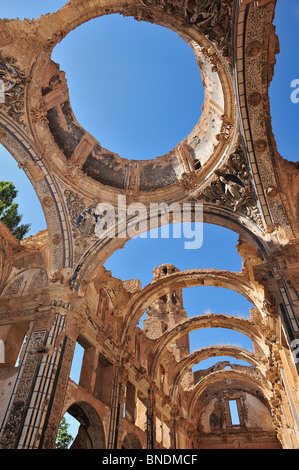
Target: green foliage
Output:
[(9, 215), (63, 439)]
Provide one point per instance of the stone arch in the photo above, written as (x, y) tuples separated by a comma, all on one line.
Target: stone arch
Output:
[(241, 325), (260, 385), (103, 248), (182, 279), (25, 282), (177, 19), (251, 411), (15, 140), (70, 17), (212, 351), (131, 441), (91, 434), (55, 27)]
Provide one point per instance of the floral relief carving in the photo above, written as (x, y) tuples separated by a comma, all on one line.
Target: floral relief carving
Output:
[(213, 19), (233, 188), (13, 82)]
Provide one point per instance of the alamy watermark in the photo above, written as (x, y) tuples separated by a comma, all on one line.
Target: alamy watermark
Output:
[(295, 92), (140, 220)]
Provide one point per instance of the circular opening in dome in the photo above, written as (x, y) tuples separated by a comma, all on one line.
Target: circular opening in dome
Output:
[(135, 86)]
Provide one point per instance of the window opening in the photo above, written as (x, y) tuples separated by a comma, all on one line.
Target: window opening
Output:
[(20, 352), (234, 413), (77, 363)]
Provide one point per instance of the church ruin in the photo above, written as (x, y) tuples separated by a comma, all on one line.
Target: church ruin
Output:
[(137, 389)]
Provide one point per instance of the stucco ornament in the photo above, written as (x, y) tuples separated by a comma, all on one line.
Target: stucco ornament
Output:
[(12, 83)]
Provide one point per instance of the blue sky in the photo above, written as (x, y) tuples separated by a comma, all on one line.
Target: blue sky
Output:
[(140, 62), (144, 92)]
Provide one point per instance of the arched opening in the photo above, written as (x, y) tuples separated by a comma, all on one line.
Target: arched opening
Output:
[(131, 441), (143, 83), (29, 204), (210, 299), (185, 237), (144, 299), (204, 300), (154, 249), (85, 421), (217, 337)]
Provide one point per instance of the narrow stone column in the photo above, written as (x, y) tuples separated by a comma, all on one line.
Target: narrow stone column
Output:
[(114, 416), (56, 398), (150, 421), (33, 413), (173, 428), (18, 408)]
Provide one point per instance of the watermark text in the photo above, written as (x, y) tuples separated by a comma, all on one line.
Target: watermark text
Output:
[(138, 220), (295, 92)]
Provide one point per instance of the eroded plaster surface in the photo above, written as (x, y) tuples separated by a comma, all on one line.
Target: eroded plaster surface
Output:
[(55, 292)]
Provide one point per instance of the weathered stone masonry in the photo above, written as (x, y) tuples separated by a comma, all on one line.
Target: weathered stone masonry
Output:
[(136, 388)]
